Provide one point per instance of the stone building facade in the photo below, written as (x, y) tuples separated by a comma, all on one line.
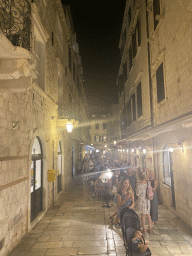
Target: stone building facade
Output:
[(155, 102), (98, 116), (40, 91)]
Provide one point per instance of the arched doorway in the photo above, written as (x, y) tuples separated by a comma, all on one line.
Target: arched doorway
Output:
[(36, 179), (59, 166)]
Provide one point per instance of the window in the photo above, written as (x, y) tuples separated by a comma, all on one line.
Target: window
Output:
[(69, 58), (97, 126), (129, 17), (130, 58), (129, 112), (134, 44), (60, 88), (133, 107), (97, 138), (156, 11), (125, 71), (136, 38), (139, 101), (104, 126), (160, 84)]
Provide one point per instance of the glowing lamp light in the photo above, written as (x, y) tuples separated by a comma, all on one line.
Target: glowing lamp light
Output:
[(115, 142), (105, 146), (85, 152), (144, 151), (104, 152), (123, 150), (132, 150), (118, 149), (108, 170), (127, 150), (69, 126), (170, 150)]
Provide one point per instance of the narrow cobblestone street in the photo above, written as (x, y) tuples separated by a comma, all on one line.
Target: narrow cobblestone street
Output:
[(79, 225)]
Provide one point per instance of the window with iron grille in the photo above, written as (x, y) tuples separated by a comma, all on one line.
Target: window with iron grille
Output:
[(104, 126), (160, 83), (97, 126)]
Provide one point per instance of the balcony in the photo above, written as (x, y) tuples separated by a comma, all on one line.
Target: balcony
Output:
[(15, 21)]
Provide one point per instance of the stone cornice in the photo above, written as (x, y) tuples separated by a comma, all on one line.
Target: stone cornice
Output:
[(35, 14)]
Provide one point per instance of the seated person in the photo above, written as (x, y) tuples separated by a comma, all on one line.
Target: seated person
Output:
[(138, 244)]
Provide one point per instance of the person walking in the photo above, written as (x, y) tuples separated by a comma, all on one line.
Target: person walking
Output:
[(154, 201), (143, 202)]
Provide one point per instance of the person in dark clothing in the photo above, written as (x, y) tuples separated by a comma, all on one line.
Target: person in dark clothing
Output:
[(132, 180), (121, 175)]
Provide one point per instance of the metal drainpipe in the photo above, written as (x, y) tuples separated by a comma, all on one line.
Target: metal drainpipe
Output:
[(151, 100), (149, 68)]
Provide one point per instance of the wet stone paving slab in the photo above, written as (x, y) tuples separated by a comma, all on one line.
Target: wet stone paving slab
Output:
[(79, 225)]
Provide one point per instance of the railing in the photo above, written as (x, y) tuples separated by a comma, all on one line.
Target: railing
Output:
[(15, 21)]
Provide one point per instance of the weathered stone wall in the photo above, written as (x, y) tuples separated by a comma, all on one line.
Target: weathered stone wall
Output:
[(171, 44), (181, 166), (34, 113)]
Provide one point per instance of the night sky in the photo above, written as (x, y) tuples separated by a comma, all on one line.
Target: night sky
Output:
[(98, 28)]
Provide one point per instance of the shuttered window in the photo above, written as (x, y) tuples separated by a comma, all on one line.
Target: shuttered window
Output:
[(133, 107), (160, 84), (139, 101), (129, 112)]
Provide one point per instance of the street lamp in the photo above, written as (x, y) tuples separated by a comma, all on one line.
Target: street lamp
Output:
[(69, 126), (144, 151), (115, 142)]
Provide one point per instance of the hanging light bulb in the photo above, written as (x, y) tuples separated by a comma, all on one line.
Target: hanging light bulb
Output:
[(144, 151), (171, 149)]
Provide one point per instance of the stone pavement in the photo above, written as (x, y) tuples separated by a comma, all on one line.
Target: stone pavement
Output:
[(79, 225)]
